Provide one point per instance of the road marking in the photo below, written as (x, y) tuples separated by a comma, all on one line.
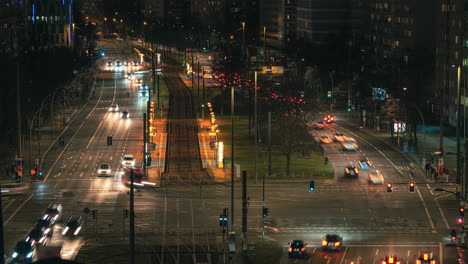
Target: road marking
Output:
[(58, 174), (17, 210), (90, 157), (442, 213), (426, 210), (85, 166), (344, 254), (111, 157), (81, 174), (8, 205)]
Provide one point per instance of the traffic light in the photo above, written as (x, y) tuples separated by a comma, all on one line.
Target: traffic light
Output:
[(94, 213), (460, 220), (302, 94), (109, 140), (311, 186), (389, 187), (462, 211), (349, 108), (329, 94), (411, 186), (265, 211)]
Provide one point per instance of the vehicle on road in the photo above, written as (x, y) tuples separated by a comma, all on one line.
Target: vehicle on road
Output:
[(339, 137), (130, 76), (14, 189), (144, 87), (53, 213), (125, 114), (118, 63), (114, 108), (128, 161), (297, 249), (426, 258), (319, 125), (109, 63), (325, 140), (24, 252), (104, 170), (138, 81), (143, 94), (38, 235), (329, 119), (351, 171), (349, 139), (126, 63), (349, 146), (391, 260), (73, 226), (134, 63), (364, 164), (332, 242), (376, 177), (47, 224)]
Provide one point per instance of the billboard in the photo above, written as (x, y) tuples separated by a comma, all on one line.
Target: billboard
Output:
[(379, 94)]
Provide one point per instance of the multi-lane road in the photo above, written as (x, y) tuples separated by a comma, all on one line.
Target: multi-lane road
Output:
[(179, 223)]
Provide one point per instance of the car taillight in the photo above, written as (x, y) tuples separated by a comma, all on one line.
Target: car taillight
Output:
[(356, 170), (289, 249), (390, 260), (425, 256), (347, 170), (332, 118), (303, 249), (433, 262), (418, 261), (384, 262), (324, 242), (398, 262), (337, 244)]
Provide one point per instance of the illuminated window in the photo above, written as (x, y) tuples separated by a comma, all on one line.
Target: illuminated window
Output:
[(389, 19), (397, 43), (456, 54), (465, 62), (456, 39)]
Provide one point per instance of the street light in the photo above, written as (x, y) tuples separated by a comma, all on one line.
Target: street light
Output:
[(331, 104)]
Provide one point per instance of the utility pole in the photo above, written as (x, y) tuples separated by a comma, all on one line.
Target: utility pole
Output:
[(269, 143), (244, 213), (232, 159), (458, 178), (158, 89), (132, 221), (153, 74), (192, 71), (264, 47), (255, 125), (145, 135), (2, 242), (18, 82), (444, 88), (198, 82)]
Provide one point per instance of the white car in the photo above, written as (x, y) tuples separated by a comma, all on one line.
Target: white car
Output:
[(376, 177), (349, 139), (114, 108), (104, 170), (128, 161), (349, 146)]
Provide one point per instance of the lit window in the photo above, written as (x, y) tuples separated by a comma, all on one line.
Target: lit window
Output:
[(405, 58), (465, 62), (389, 19), (456, 55), (397, 43), (456, 39)]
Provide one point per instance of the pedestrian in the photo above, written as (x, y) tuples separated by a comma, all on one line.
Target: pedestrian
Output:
[(428, 168)]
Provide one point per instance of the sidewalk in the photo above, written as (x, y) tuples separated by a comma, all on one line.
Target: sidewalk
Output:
[(208, 153)]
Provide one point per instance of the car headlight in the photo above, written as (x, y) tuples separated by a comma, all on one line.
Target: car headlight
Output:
[(14, 255), (29, 255), (77, 231), (65, 230)]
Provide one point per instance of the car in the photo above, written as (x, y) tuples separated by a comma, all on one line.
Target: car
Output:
[(319, 125), (104, 170), (38, 235), (109, 63), (349, 146), (134, 63), (128, 161), (349, 139), (143, 94), (426, 258), (351, 171), (364, 164), (144, 87), (118, 63), (47, 224), (325, 140), (332, 242), (329, 119), (297, 248), (125, 114), (114, 108), (376, 177), (73, 226), (339, 137), (391, 260), (126, 63), (24, 252), (130, 76), (138, 81), (53, 213)]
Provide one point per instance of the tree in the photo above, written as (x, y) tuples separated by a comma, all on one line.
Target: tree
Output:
[(391, 109)]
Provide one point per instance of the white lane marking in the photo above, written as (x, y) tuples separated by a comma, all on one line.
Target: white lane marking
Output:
[(81, 174), (57, 174), (95, 132), (442, 213), (17, 210), (90, 157), (399, 245), (426, 210), (85, 166), (111, 157), (8, 205), (344, 255)]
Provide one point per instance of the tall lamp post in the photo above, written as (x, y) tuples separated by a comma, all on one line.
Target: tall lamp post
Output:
[(331, 104)]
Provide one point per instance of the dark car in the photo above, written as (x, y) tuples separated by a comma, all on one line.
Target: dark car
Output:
[(391, 260), (125, 114), (46, 224), (38, 236), (426, 258), (53, 213), (24, 252), (73, 226), (365, 164), (329, 119), (351, 171), (332, 242), (297, 248)]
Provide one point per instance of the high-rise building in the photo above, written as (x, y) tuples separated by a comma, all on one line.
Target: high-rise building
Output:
[(154, 11), (50, 23), (7, 21), (279, 19)]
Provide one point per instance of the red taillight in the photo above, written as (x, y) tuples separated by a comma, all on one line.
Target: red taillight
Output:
[(289, 249), (332, 118), (418, 261), (337, 244), (384, 262), (303, 249), (324, 242), (390, 260), (398, 262)]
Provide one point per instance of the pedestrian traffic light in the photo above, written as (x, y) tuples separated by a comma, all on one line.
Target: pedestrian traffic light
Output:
[(411, 186), (329, 94), (389, 187), (109, 141), (462, 211), (94, 213), (349, 109), (265, 211), (460, 220), (302, 94), (311, 186)]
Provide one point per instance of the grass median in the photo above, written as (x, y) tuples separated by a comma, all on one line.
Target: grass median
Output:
[(312, 166)]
